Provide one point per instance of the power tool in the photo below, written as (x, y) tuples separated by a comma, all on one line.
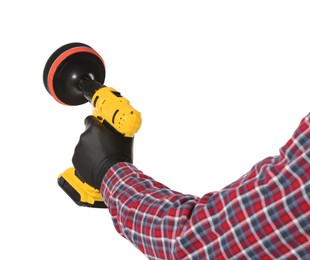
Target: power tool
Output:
[(73, 75)]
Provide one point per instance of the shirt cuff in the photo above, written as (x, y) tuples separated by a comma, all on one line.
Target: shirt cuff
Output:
[(113, 176)]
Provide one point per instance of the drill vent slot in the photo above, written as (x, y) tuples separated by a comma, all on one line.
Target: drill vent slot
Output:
[(114, 115)]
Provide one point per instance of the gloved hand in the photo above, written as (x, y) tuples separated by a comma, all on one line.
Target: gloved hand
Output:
[(98, 149)]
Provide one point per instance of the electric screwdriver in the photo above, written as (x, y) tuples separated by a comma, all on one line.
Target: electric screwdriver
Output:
[(73, 75)]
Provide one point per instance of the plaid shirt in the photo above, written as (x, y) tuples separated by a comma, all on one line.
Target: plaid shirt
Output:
[(263, 215)]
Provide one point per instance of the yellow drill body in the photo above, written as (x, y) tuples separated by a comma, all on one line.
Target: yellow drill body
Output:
[(109, 105)]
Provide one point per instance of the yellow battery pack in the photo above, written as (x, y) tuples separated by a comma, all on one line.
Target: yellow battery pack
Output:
[(80, 192)]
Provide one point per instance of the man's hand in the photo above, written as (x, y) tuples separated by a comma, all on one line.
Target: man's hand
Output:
[(99, 148)]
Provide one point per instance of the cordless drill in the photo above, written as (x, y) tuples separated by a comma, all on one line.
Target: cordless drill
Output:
[(73, 75)]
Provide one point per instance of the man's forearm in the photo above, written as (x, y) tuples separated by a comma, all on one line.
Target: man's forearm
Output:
[(146, 212)]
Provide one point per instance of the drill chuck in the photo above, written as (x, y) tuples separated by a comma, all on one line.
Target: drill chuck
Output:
[(89, 88)]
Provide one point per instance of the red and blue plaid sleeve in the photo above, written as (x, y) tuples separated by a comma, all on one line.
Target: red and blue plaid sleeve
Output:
[(263, 215)]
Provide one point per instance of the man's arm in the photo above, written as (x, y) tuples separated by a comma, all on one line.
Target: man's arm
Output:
[(263, 215)]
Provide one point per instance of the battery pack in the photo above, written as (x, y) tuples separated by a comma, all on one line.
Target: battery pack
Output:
[(80, 192)]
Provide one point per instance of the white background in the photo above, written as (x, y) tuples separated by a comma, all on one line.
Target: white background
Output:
[(220, 84)]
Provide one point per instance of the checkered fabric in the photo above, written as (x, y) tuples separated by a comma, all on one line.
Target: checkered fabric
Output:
[(263, 215)]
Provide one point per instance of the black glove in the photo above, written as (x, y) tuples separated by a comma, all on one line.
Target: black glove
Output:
[(98, 149)]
